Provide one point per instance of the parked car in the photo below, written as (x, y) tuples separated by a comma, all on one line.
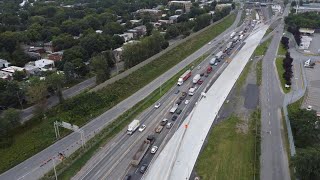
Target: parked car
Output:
[(178, 111), (157, 105), (143, 168), (142, 128), (187, 101), (169, 125), (154, 149), (174, 118), (202, 74)]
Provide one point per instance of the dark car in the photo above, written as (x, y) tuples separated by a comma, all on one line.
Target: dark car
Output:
[(202, 74), (128, 177), (178, 111), (182, 98), (177, 91), (174, 118), (143, 168), (151, 138), (179, 102), (163, 122), (200, 82)]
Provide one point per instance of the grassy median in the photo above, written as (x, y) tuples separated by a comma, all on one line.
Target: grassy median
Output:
[(38, 133), (231, 153), (280, 70), (262, 48), (282, 50)]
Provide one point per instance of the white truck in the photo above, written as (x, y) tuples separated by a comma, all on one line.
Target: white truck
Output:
[(133, 126), (184, 77), (196, 78), (174, 108), (218, 55), (232, 35), (229, 45), (192, 91)]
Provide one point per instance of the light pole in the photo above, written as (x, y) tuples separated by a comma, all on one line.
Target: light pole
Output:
[(54, 168)]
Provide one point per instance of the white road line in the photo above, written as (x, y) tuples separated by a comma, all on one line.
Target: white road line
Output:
[(269, 113)]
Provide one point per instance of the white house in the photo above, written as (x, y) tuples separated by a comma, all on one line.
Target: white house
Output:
[(126, 36), (12, 69), (4, 63), (44, 64)]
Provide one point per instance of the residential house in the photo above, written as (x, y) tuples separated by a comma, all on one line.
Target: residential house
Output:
[(136, 21), (34, 49), (4, 63), (56, 56), (7, 73), (48, 47), (179, 11), (117, 53), (141, 30), (126, 36), (306, 31), (173, 19), (154, 12), (44, 64), (31, 69), (186, 5), (34, 55), (219, 7), (134, 33)]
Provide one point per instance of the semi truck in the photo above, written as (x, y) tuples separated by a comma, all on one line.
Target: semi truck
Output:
[(184, 77), (192, 91), (140, 153), (232, 35), (174, 108), (196, 78), (133, 126)]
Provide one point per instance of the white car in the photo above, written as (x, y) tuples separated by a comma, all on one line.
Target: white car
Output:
[(309, 108), (209, 43), (186, 102), (154, 149), (157, 105), (215, 64), (142, 128)]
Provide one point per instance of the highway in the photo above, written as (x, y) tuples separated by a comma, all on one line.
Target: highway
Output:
[(42, 162), (274, 162), (113, 161)]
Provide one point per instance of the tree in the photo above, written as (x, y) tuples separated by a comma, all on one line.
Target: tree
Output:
[(149, 28), (11, 94), (56, 80), (63, 41), (10, 119), (19, 75), (306, 163), (69, 71), (303, 127), (172, 32), (95, 43), (37, 93), (9, 41), (112, 28), (202, 21), (285, 42), (101, 68), (293, 3)]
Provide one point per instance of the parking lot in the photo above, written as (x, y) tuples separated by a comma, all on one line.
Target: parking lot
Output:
[(312, 97)]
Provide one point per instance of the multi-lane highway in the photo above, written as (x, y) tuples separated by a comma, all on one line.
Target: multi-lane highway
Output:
[(113, 162)]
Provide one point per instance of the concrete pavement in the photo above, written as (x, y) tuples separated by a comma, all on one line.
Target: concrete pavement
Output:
[(39, 164)]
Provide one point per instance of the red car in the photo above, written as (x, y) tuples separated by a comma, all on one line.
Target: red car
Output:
[(200, 82)]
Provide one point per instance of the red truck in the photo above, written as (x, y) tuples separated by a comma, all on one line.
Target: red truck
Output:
[(209, 69), (184, 77)]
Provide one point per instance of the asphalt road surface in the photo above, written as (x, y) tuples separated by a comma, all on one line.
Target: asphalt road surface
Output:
[(39, 164), (274, 162), (113, 162)]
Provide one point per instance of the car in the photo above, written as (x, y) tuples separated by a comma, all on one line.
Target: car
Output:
[(183, 97), (309, 108), (163, 122), (157, 105), (128, 177), (200, 82), (209, 43), (154, 149), (215, 64), (169, 125), (179, 102), (184, 93), (202, 74), (142, 128), (143, 168), (206, 75), (186, 102), (158, 129), (178, 111), (174, 118), (177, 92)]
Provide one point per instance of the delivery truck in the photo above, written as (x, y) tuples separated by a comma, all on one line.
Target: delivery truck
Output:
[(184, 77), (133, 126), (196, 78), (218, 55), (192, 91)]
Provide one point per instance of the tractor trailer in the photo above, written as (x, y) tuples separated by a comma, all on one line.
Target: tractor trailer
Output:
[(184, 77)]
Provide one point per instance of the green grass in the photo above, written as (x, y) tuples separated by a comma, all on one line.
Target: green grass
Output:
[(262, 48), (259, 72), (74, 163), (280, 71), (294, 107), (231, 153), (242, 78), (84, 107), (282, 50), (269, 30)]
